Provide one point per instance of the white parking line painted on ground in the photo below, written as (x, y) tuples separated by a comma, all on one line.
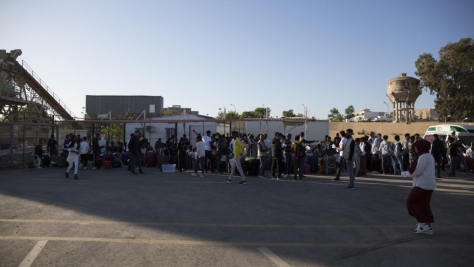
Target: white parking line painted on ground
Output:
[(30, 258), (236, 244), (277, 260)]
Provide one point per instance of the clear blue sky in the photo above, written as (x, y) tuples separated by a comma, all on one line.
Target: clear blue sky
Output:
[(207, 55)]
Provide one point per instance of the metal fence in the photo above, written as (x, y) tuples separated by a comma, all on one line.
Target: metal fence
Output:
[(18, 141)]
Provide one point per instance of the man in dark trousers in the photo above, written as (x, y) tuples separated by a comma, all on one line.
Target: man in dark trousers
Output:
[(52, 146), (277, 155), (437, 149), (95, 149), (134, 150)]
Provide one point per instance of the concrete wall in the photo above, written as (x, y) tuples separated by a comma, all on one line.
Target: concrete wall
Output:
[(385, 128)]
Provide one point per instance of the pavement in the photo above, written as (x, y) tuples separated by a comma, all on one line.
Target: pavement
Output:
[(114, 218)]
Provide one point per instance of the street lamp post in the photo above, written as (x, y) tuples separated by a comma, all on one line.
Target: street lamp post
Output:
[(235, 109), (449, 116), (224, 112)]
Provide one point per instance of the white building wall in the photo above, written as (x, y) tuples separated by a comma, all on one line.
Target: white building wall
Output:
[(160, 129), (316, 130)]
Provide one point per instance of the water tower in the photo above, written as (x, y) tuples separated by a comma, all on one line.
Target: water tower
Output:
[(403, 92)]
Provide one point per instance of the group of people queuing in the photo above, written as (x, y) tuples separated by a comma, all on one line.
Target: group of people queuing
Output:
[(218, 153), (78, 152)]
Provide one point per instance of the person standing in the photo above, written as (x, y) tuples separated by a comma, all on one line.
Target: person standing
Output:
[(134, 148), (221, 153), (277, 155), (84, 152), (453, 155), (200, 156), (406, 150), (73, 156), (376, 140), (424, 183), (340, 149), (299, 152), (349, 157), (398, 153), (262, 155), (437, 152), (52, 147), (238, 151), (386, 154), (288, 154), (96, 150)]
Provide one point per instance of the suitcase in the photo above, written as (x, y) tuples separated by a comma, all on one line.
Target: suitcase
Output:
[(60, 162), (150, 160), (125, 158), (108, 164), (330, 165), (307, 169)]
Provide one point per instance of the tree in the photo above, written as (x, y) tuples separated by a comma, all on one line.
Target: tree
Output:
[(115, 129), (288, 113), (248, 114), (262, 112), (228, 115), (451, 78), (335, 116), (350, 112)]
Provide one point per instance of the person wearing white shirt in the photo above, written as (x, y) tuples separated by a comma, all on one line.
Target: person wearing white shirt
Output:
[(340, 162), (424, 183), (200, 156), (386, 154), (84, 151), (376, 139)]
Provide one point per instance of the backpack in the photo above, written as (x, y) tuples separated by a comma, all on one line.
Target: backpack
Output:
[(287, 146), (300, 151)]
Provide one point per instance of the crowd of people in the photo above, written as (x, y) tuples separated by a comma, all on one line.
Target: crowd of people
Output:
[(284, 157)]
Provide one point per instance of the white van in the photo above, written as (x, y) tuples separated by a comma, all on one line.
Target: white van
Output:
[(464, 132)]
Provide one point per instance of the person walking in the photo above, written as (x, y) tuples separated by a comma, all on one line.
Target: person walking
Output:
[(73, 156), (238, 151), (262, 155), (424, 183)]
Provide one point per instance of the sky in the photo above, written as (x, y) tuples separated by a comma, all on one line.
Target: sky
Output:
[(239, 55)]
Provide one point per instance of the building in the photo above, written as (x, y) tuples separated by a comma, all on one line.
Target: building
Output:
[(123, 107), (366, 114), (426, 114), (177, 109)]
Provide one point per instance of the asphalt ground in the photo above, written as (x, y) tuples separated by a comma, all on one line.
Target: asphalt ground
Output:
[(114, 218)]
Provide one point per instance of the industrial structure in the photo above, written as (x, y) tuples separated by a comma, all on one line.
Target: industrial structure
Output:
[(403, 92), (24, 96)]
